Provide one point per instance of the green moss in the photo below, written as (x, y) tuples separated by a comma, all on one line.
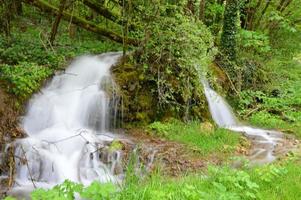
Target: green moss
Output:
[(115, 145)]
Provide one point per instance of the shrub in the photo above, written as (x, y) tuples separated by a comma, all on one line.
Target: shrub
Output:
[(24, 79)]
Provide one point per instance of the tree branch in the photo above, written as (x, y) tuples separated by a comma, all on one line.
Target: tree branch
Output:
[(97, 7), (48, 8)]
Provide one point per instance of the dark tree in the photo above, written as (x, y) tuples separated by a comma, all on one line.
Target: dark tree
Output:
[(228, 38), (57, 21)]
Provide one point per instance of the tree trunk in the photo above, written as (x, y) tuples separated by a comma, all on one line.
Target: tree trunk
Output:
[(287, 3), (17, 6), (190, 7), (251, 17), (72, 31), (100, 9), (263, 12), (48, 8), (281, 3), (6, 14), (202, 10), (57, 21)]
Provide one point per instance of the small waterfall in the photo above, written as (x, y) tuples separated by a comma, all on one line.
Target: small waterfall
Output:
[(68, 126), (264, 142), (220, 111)]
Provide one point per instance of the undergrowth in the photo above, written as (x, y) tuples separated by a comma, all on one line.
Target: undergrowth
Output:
[(276, 104)]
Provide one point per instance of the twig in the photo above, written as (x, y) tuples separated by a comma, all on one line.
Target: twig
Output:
[(252, 111), (11, 169), (230, 80), (29, 172)]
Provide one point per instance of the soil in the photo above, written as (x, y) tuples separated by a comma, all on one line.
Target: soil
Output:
[(174, 158), (9, 130)]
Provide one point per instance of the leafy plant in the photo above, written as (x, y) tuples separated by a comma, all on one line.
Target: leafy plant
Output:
[(25, 78), (97, 191), (69, 190)]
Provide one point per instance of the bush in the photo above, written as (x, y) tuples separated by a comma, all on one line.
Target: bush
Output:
[(24, 79), (162, 79)]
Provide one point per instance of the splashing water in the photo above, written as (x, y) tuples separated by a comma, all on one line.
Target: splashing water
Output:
[(67, 125), (264, 142)]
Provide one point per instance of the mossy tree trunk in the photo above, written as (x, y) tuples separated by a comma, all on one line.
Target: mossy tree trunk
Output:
[(90, 26), (99, 8), (228, 38)]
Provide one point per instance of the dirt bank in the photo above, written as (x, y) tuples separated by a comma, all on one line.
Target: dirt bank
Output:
[(9, 130)]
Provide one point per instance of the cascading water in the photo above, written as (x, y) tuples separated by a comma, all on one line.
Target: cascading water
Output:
[(264, 142), (67, 125)]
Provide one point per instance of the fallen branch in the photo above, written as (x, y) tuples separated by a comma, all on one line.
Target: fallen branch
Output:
[(99, 9), (252, 111), (48, 8)]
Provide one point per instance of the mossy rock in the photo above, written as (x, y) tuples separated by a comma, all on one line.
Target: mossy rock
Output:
[(138, 86)]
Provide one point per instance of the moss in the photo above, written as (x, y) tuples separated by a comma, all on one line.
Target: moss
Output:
[(139, 90), (115, 145)]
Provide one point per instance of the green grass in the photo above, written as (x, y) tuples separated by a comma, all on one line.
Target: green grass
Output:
[(203, 137), (278, 181), (286, 187)]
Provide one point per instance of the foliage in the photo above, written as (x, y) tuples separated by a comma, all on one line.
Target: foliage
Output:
[(203, 138), (69, 190), (24, 78), (29, 61), (22, 49), (276, 181), (277, 104), (253, 42), (161, 79)]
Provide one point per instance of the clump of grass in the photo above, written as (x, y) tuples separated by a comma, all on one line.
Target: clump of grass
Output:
[(203, 137)]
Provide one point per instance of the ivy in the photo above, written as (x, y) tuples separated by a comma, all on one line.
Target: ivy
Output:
[(228, 37)]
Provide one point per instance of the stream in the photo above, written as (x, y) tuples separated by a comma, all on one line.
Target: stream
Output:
[(69, 125), (266, 145)]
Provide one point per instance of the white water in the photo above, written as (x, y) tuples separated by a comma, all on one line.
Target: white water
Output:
[(67, 125), (264, 142)]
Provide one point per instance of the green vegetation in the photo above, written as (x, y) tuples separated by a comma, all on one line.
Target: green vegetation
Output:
[(162, 78), (276, 104), (248, 49), (24, 78), (271, 182), (201, 137), (29, 61)]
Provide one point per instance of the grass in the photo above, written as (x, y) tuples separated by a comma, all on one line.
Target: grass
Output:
[(203, 137), (278, 181), (286, 187)]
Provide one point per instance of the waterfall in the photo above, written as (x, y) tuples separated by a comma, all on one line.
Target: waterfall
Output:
[(68, 125), (264, 142)]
